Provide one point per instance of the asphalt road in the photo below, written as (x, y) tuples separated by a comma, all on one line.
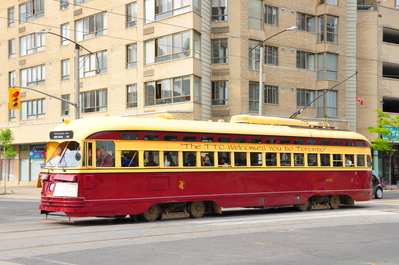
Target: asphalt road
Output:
[(362, 234)]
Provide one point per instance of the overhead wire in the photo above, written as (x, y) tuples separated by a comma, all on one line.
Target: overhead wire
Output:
[(292, 64)]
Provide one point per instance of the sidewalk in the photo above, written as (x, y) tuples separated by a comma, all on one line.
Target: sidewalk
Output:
[(20, 192)]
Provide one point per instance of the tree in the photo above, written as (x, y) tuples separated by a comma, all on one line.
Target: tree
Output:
[(388, 130), (8, 150)]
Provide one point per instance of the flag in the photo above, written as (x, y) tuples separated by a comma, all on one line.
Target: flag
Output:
[(358, 100)]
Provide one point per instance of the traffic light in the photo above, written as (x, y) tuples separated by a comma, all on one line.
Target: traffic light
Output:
[(14, 98)]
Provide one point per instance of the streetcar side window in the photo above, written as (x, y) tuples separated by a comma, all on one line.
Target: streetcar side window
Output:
[(285, 159), (312, 160), (271, 141), (129, 136), (207, 159), (256, 159), (151, 158), (299, 160), (360, 161), (170, 137), (312, 142), (240, 140), (337, 160), (224, 159), (130, 158), (105, 153), (151, 137), (349, 144), (324, 142), (298, 141), (224, 139), (171, 159), (189, 138), (256, 140), (337, 143), (325, 160), (285, 141), (190, 159), (207, 139), (240, 159), (349, 161), (271, 159)]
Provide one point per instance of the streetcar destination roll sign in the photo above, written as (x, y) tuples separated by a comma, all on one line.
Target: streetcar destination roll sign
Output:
[(61, 135)]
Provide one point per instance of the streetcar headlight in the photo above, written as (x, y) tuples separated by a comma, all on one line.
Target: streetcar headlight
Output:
[(52, 185)]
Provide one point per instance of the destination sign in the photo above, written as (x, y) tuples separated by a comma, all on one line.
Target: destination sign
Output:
[(61, 135)]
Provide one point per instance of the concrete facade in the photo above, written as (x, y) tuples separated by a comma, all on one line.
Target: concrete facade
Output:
[(359, 46)]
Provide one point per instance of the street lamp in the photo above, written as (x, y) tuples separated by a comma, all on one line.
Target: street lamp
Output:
[(77, 76), (261, 66)]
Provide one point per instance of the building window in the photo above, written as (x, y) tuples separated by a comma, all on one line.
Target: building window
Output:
[(304, 97), (253, 63), (131, 55), (219, 51), (65, 106), (31, 10), (12, 78), (11, 17), (171, 47), (33, 109), (64, 4), (171, 91), (131, 15), (255, 14), (93, 101), (271, 95), (220, 93), (271, 55), (253, 96), (396, 3), (65, 69), (65, 33), (328, 29), (305, 60), (327, 66), (78, 2), (12, 115), (91, 27), (31, 43), (327, 104), (219, 10), (160, 9), (271, 15), (131, 96), (305, 22), (11, 49), (93, 64), (328, 2), (33, 76)]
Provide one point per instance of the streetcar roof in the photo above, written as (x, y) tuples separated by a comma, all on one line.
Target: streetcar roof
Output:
[(85, 127)]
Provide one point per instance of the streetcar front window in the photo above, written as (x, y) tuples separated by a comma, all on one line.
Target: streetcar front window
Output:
[(55, 157), (71, 156)]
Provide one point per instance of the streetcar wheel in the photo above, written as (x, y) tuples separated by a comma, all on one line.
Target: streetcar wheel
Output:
[(197, 209), (151, 214), (378, 193), (303, 207), (335, 201)]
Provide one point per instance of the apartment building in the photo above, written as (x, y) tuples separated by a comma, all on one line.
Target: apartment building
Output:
[(196, 60)]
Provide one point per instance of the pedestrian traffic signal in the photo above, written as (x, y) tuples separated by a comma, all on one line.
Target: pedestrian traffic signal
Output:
[(14, 101)]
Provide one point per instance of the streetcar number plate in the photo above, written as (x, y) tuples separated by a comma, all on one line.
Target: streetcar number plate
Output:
[(66, 189)]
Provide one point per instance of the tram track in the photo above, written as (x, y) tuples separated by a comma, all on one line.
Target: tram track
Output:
[(235, 225)]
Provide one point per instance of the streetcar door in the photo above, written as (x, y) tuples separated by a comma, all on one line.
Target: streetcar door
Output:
[(88, 154)]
